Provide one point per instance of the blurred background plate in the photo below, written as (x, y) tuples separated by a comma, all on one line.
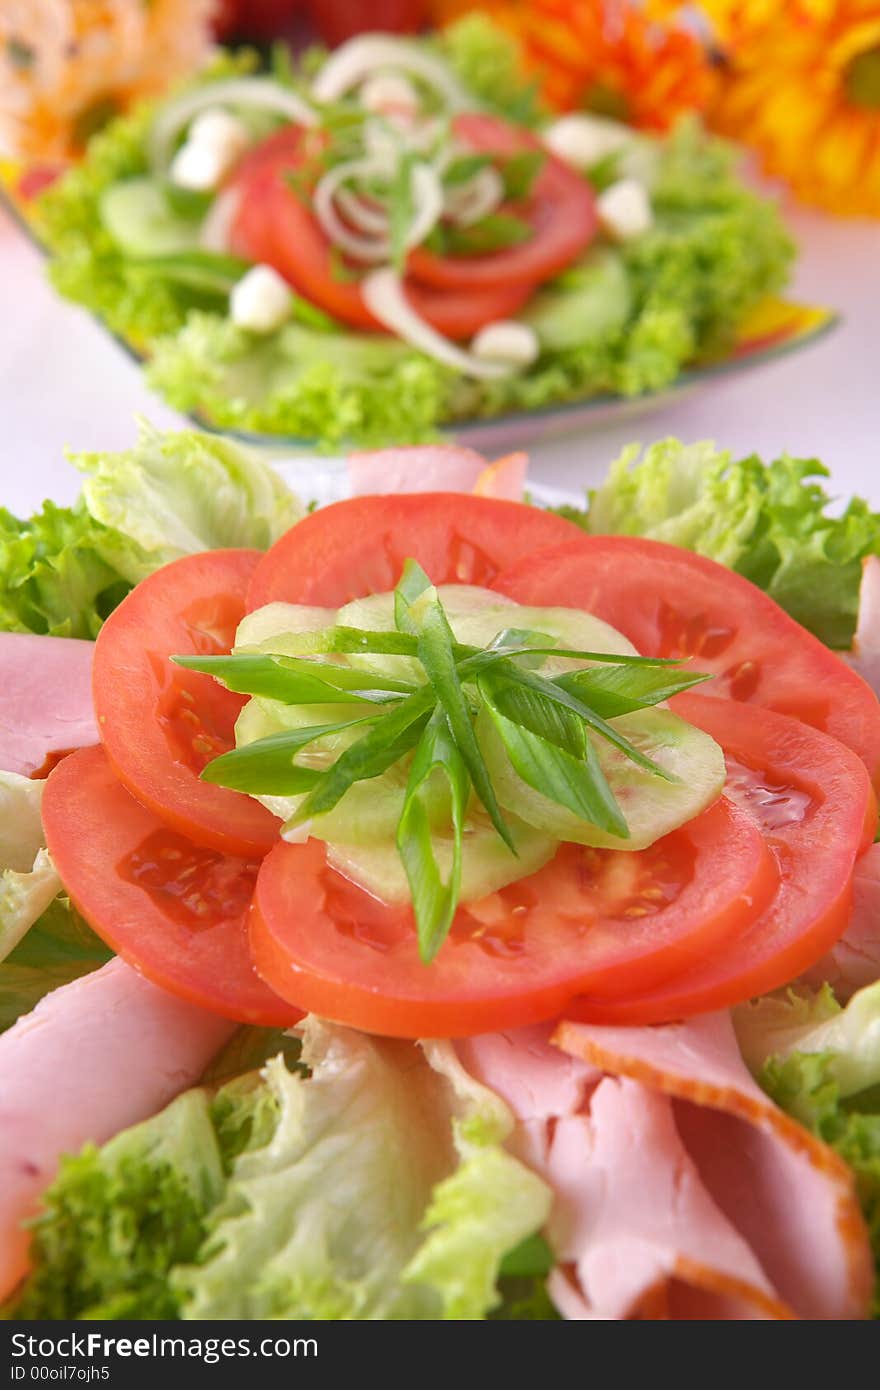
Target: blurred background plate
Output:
[(774, 329)]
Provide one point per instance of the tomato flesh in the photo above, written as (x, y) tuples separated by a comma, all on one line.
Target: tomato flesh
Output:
[(598, 919), (813, 802), (359, 547), (670, 602), (560, 211), (160, 724), (275, 227), (174, 910)]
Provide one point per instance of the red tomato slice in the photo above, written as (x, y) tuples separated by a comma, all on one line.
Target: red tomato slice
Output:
[(670, 602), (359, 547), (813, 801), (160, 724), (603, 916), (561, 211), (274, 226), (174, 910)]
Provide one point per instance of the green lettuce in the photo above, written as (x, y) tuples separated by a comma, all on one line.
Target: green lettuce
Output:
[(53, 576), (28, 880), (301, 382), (86, 265), (66, 569), (116, 1220), (368, 1182), (329, 1219), (821, 1064), (57, 949), (489, 63), (770, 522), (175, 494)]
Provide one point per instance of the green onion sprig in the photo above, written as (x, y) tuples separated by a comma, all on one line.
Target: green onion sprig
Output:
[(547, 726)]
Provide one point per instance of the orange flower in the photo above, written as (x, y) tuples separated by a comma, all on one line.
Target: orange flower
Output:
[(802, 85), (65, 65), (606, 57)]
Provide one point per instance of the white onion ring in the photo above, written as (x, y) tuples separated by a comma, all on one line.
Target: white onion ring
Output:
[(384, 296), (260, 92), (359, 58), (215, 230), (474, 200)]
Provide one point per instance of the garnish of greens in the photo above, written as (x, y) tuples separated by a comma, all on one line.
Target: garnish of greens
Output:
[(546, 726)]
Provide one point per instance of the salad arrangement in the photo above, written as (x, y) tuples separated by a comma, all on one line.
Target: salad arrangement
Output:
[(493, 895), (395, 237)]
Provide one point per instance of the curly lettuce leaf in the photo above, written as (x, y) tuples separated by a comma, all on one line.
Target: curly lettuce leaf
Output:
[(53, 575), (326, 1222), (58, 948), (66, 569), (367, 1182), (782, 1025), (28, 880), (301, 382), (805, 1085), (770, 522), (178, 493), (488, 61), (821, 1064), (117, 1219)]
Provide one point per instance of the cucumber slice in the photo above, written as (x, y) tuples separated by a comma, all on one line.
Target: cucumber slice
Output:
[(593, 300), (137, 215), (651, 806), (486, 862), (266, 628), (370, 810), (461, 602)]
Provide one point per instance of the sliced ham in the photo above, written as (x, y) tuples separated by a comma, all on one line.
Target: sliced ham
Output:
[(437, 468), (634, 1229), (45, 699), (505, 478), (865, 654), (95, 1056), (854, 961), (785, 1193)]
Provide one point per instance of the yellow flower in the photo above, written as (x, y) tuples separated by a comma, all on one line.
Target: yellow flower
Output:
[(802, 86), (65, 65)]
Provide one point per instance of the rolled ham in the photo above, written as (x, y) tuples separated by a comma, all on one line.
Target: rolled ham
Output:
[(45, 699), (437, 468), (681, 1190), (865, 654), (784, 1192), (854, 961), (92, 1058)]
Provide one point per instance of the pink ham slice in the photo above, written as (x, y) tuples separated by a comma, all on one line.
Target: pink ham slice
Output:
[(634, 1229), (865, 654), (786, 1194), (854, 961), (95, 1056), (45, 699), (437, 468)]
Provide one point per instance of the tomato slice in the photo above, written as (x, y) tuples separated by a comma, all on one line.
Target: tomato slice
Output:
[(172, 909), (160, 724), (359, 547), (274, 226), (560, 210), (670, 602), (590, 919), (813, 801)]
